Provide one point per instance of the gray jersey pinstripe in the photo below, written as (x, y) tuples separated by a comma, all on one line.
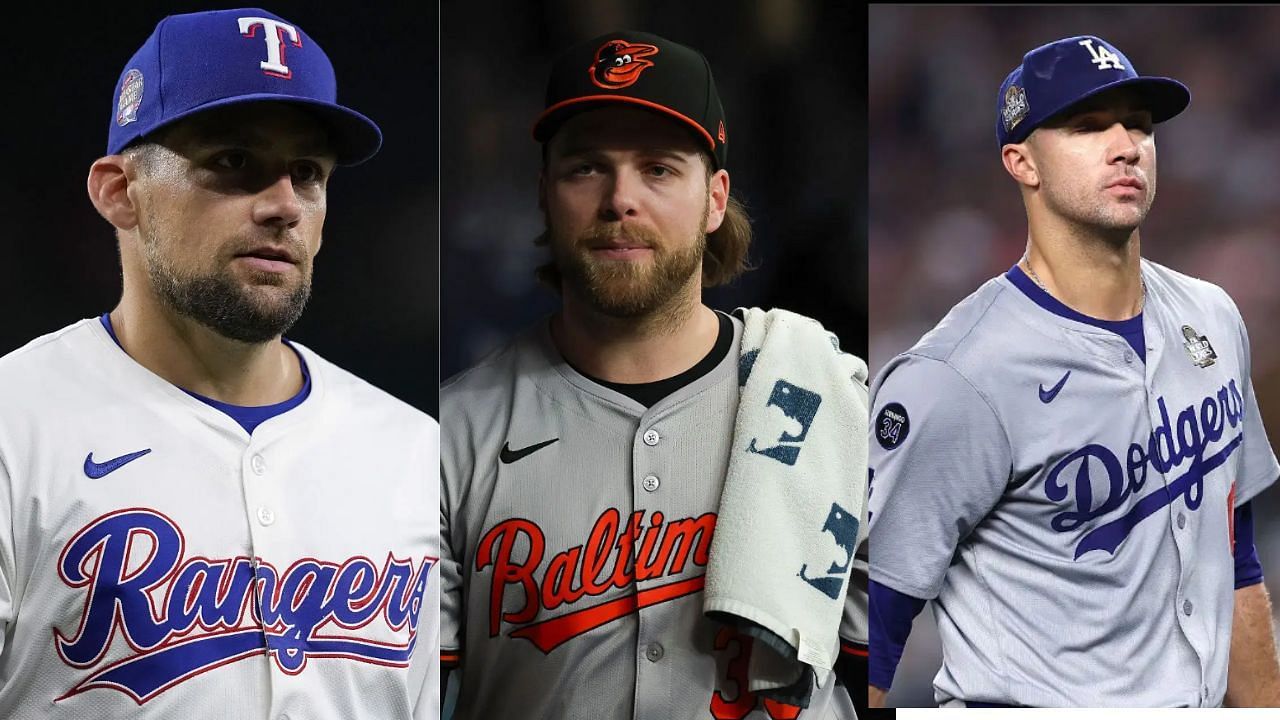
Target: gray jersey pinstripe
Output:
[(533, 593), (1077, 550)]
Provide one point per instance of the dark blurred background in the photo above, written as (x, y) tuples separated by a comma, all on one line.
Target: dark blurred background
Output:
[(795, 108), (374, 303), (945, 216)]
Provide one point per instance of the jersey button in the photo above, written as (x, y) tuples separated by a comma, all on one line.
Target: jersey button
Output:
[(1182, 520), (1187, 607), (651, 437), (258, 464), (266, 516), (651, 483), (653, 652), (1128, 356)]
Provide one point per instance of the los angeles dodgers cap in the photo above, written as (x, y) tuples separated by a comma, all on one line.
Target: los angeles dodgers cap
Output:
[(198, 61), (1055, 76), (639, 69)]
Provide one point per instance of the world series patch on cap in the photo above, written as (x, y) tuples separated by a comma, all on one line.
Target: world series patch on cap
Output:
[(639, 69), (199, 61), (1055, 76)]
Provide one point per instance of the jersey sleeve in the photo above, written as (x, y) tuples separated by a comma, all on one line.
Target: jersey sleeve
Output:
[(939, 460), (1258, 466)]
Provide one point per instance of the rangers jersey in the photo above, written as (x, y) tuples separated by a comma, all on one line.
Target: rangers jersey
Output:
[(157, 561)]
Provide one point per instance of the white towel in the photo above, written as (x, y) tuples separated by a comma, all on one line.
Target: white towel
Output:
[(793, 501)]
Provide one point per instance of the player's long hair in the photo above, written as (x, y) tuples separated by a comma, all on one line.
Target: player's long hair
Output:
[(724, 259)]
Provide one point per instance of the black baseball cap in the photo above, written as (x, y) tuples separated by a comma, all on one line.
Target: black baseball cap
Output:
[(638, 69)]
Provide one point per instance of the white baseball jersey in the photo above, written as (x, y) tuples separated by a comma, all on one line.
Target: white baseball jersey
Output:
[(577, 525), (157, 561), (1067, 505)]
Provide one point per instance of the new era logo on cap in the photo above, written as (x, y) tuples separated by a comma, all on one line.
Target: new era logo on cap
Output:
[(199, 61), (643, 70), (1055, 76)]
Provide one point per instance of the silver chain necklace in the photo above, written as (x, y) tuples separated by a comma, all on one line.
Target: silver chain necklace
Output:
[(1026, 261)]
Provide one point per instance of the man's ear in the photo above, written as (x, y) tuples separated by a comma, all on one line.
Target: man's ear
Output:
[(108, 185), (1020, 164), (718, 196)]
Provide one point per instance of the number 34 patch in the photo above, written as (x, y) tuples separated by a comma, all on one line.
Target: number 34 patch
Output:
[(892, 426)]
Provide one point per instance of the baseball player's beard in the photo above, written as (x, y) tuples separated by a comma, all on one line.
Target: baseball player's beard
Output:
[(628, 289), (223, 304)]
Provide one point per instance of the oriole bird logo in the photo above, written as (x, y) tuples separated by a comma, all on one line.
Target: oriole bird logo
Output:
[(618, 63)]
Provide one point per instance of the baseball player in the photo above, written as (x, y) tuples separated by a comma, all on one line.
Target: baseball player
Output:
[(199, 519), (1064, 465), (584, 462)]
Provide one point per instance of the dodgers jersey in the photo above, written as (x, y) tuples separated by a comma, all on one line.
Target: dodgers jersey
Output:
[(156, 561), (1067, 506), (577, 526)]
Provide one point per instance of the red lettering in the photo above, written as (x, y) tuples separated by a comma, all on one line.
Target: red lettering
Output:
[(557, 584), (506, 572), (598, 547), (680, 537), (622, 569), (744, 701), (646, 565)]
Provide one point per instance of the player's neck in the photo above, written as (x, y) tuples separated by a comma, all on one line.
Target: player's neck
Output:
[(199, 360), (631, 350), (1095, 276)]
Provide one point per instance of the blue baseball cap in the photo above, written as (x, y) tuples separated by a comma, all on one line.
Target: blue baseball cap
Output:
[(1056, 76), (200, 61)]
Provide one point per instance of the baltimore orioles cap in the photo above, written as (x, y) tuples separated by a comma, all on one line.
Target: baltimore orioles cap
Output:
[(199, 61), (638, 69), (1056, 76)]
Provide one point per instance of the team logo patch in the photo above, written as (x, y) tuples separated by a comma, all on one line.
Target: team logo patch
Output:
[(618, 63), (892, 426), (130, 98), (721, 134), (1198, 347), (1015, 107)]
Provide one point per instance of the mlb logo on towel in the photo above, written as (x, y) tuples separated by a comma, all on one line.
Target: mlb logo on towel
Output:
[(798, 405)]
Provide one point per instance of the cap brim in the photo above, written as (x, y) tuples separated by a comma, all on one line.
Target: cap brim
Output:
[(1164, 97), (355, 137), (553, 117)]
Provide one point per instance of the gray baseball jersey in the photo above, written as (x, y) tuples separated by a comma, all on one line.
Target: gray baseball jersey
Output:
[(577, 525), (158, 561), (1066, 505)]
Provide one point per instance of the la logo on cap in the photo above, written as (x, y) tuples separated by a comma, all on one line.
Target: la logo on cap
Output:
[(274, 33), (618, 63), (1102, 56)]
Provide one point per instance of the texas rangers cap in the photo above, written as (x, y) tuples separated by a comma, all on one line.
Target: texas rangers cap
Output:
[(638, 69), (1056, 76), (199, 61)]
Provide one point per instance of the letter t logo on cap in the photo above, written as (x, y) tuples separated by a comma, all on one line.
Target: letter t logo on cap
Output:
[(274, 33)]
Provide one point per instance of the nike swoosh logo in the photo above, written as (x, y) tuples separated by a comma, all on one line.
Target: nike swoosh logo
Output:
[(1047, 396), (97, 470), (508, 456)]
